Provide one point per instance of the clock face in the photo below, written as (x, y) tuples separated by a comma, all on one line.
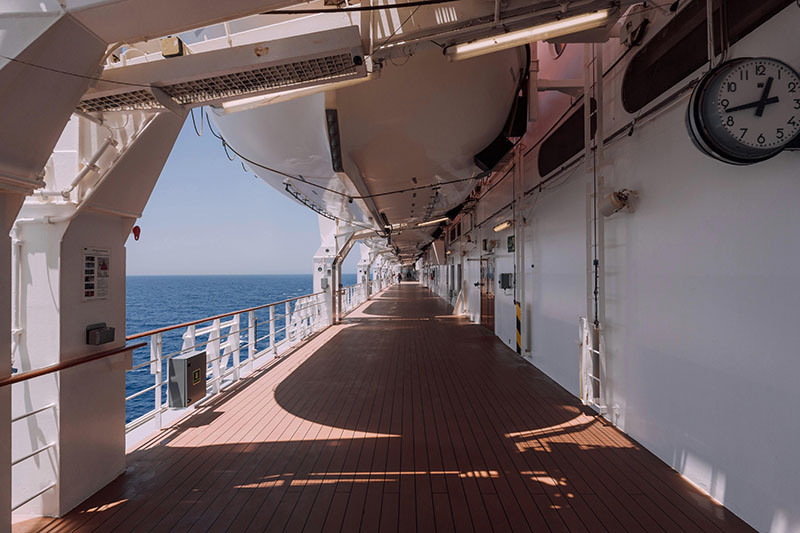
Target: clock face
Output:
[(746, 110)]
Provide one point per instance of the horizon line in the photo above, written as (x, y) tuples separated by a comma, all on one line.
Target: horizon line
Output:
[(265, 274)]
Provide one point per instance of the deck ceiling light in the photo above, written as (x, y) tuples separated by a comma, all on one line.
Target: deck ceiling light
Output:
[(433, 222), (503, 225), (541, 32)]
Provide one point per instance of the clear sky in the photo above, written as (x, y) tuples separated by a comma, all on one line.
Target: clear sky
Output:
[(207, 216)]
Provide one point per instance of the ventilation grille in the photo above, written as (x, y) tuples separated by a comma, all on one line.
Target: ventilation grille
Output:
[(230, 85), (140, 99)]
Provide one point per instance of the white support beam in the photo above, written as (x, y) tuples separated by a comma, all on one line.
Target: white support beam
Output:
[(573, 88)]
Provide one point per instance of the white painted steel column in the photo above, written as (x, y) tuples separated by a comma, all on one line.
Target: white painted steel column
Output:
[(27, 138), (90, 433)]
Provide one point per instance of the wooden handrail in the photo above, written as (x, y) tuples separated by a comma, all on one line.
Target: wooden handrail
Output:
[(68, 364), (200, 321)]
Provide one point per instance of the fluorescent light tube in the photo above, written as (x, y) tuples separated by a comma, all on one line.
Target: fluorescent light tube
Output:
[(503, 225), (516, 38), (432, 222)]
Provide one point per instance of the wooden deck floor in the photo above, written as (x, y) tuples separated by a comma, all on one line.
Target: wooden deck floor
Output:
[(404, 418)]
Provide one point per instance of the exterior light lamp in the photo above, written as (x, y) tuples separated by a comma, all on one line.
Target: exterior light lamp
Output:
[(503, 225)]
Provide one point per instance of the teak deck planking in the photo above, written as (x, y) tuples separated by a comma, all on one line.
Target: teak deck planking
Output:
[(403, 418)]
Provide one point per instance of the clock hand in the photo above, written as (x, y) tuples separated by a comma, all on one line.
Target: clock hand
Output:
[(772, 100), (764, 96)]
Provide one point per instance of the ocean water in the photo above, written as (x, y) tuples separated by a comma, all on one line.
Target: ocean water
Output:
[(158, 301)]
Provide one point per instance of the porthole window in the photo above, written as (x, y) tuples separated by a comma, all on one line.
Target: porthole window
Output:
[(679, 48), (565, 141)]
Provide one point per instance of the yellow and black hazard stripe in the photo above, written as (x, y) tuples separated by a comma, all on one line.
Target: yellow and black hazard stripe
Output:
[(519, 329)]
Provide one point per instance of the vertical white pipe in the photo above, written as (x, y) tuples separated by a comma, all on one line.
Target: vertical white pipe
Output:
[(520, 244), (600, 238), (710, 32), (16, 288)]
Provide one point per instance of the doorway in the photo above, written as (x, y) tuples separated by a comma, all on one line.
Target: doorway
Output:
[(487, 293)]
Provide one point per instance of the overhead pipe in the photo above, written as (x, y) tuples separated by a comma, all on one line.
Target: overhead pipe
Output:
[(93, 190), (89, 166)]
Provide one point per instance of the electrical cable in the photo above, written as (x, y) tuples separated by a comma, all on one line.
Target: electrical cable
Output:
[(198, 133), (312, 11), (300, 178), (73, 74), (227, 145), (150, 86)]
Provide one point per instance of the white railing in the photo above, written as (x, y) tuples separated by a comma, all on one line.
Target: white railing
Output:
[(376, 285), (592, 363), (353, 296), (31, 455), (232, 343)]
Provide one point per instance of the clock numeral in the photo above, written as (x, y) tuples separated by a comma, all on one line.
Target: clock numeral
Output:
[(725, 103), (779, 133), (792, 122), (744, 130), (792, 86), (761, 70), (744, 75), (729, 121), (732, 87), (797, 103), (761, 139)]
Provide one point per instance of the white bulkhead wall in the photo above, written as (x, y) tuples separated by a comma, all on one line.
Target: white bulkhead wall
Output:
[(700, 294)]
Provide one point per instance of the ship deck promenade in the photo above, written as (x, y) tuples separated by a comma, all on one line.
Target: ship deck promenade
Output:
[(406, 418)]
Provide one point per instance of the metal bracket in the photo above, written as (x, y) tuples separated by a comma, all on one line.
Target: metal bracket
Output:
[(573, 88), (167, 101)]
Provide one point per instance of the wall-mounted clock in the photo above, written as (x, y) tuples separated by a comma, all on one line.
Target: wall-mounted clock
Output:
[(745, 110)]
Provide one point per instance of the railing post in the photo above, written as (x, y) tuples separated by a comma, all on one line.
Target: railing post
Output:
[(252, 335), (330, 299), (235, 339), (319, 310), (157, 368), (272, 343), (287, 322), (213, 354), (307, 316), (189, 340)]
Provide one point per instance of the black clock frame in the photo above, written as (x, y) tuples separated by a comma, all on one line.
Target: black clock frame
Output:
[(699, 131)]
